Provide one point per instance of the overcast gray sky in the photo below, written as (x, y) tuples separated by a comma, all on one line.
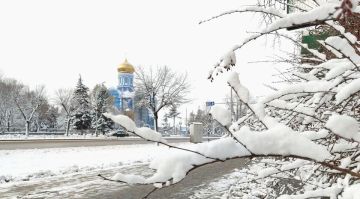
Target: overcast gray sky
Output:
[(52, 42)]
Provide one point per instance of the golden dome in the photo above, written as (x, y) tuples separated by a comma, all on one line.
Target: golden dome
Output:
[(126, 67)]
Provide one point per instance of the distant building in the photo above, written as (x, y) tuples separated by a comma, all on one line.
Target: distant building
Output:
[(124, 95)]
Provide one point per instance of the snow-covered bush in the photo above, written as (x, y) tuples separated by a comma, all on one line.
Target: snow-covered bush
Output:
[(310, 128)]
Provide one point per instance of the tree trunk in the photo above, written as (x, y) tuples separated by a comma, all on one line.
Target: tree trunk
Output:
[(37, 126), (8, 118), (174, 125), (8, 126), (27, 127), (67, 127), (156, 117)]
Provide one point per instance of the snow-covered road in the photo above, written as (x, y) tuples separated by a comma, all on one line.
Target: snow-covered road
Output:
[(200, 184), (72, 172), (36, 143), (83, 184), (25, 165)]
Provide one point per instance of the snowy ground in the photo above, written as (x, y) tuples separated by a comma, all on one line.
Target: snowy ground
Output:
[(17, 136), (72, 172), (20, 165), (82, 184)]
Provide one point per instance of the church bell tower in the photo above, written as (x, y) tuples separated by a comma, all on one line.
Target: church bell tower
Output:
[(125, 99)]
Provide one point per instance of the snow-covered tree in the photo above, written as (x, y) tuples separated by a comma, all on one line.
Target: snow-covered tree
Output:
[(173, 114), (165, 124), (28, 102), (211, 127), (101, 102), (307, 131), (81, 116), (46, 117), (8, 109), (64, 99), (160, 89)]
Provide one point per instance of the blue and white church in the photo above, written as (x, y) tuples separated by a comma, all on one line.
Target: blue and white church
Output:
[(124, 97)]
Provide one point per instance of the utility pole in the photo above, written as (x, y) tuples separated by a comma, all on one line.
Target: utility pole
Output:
[(186, 121), (153, 98), (231, 105)]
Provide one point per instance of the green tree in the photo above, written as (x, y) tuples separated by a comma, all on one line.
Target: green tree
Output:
[(101, 102), (81, 116)]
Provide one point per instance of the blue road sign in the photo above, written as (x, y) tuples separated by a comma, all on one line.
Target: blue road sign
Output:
[(210, 103)]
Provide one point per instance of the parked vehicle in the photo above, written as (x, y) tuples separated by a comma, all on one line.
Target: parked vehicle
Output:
[(119, 133)]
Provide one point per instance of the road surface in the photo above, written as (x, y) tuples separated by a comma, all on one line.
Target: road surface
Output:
[(61, 143), (89, 185)]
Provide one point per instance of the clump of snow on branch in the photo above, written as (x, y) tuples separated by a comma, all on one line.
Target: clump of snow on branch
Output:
[(344, 126), (128, 178), (220, 114), (347, 91), (315, 135), (281, 140), (175, 165), (282, 104), (351, 192), (324, 12), (240, 90), (229, 59), (129, 125), (348, 35), (302, 87), (123, 120), (331, 192), (149, 134), (339, 67), (343, 46)]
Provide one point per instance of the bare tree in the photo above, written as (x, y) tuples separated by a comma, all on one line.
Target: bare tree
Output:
[(64, 99), (7, 106), (161, 88), (28, 102), (173, 113)]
